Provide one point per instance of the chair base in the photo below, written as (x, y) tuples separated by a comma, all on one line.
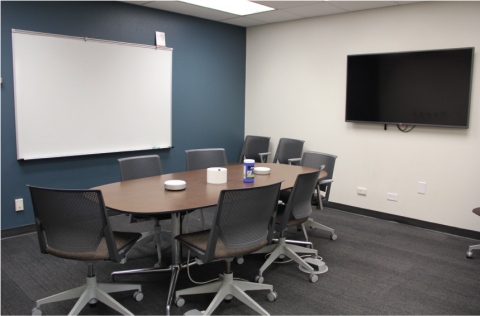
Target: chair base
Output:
[(282, 248), (227, 288), (469, 252), (311, 223), (156, 236), (92, 292)]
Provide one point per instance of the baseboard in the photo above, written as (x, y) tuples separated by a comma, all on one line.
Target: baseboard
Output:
[(20, 230), (406, 220)]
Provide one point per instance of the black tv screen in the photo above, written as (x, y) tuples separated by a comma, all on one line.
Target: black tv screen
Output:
[(410, 88)]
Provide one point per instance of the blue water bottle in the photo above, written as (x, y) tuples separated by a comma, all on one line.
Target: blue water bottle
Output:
[(248, 174)]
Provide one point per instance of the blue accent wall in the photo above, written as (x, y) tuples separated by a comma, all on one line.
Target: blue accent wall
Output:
[(208, 96)]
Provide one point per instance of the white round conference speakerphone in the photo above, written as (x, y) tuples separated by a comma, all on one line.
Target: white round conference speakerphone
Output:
[(261, 170), (175, 185)]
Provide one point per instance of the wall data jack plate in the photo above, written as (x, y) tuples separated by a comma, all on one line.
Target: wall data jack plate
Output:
[(19, 205), (392, 197)]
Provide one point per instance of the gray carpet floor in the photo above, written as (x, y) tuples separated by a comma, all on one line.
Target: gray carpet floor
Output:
[(376, 267)]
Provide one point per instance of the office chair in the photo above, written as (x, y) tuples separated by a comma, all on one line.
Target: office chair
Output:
[(205, 158), (73, 224), (469, 252), (295, 212), (136, 168), (243, 223), (255, 147), (325, 162), (287, 149)]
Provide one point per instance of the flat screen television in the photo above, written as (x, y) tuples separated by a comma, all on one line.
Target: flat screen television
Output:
[(430, 88)]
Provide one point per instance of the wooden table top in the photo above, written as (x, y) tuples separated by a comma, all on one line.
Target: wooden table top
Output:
[(148, 195), (476, 211)]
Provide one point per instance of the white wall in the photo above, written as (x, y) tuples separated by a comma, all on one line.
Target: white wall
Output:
[(295, 88)]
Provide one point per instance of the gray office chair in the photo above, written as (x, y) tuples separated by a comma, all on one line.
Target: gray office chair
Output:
[(295, 212), (136, 168), (73, 224), (205, 158), (325, 162), (243, 223), (287, 149), (469, 252), (255, 147)]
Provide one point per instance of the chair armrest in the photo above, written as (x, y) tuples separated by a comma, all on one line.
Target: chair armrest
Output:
[(294, 161), (264, 155), (325, 181)]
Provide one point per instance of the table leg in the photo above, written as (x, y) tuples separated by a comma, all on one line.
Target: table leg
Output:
[(176, 258)]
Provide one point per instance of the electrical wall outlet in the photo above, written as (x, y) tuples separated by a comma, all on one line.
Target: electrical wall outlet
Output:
[(19, 205), (422, 187), (361, 191), (392, 197)]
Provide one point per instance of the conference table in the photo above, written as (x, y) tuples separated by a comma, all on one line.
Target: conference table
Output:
[(147, 196)]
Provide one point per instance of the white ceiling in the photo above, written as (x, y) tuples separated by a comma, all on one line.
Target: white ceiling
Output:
[(285, 10)]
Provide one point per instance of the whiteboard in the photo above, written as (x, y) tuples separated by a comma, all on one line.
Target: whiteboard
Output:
[(79, 96)]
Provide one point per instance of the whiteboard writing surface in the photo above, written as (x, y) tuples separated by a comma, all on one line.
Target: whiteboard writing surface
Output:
[(78, 96)]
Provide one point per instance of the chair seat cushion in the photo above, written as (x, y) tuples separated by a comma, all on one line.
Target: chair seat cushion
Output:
[(292, 221), (122, 239), (199, 240)]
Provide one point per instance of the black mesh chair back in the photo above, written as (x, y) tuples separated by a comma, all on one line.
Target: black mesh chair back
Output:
[(71, 220), (316, 160), (300, 202), (140, 167), (254, 145), (288, 148), (243, 215), (205, 158), (244, 218)]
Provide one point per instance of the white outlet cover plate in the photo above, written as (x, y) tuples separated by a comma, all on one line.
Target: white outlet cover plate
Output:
[(392, 197), (422, 187), (361, 191)]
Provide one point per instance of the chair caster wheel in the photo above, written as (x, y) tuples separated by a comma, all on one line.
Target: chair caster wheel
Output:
[(138, 296), (36, 312), (333, 237), (272, 296), (179, 301), (240, 260), (259, 279), (313, 278), (228, 298), (469, 254), (281, 257)]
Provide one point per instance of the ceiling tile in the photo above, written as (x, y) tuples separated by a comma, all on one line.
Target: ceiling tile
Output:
[(407, 2), (275, 16), (137, 2), (242, 21), (316, 9), (285, 4), (190, 9), (361, 5)]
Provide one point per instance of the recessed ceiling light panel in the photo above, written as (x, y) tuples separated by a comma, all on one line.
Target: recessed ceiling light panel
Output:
[(238, 7)]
